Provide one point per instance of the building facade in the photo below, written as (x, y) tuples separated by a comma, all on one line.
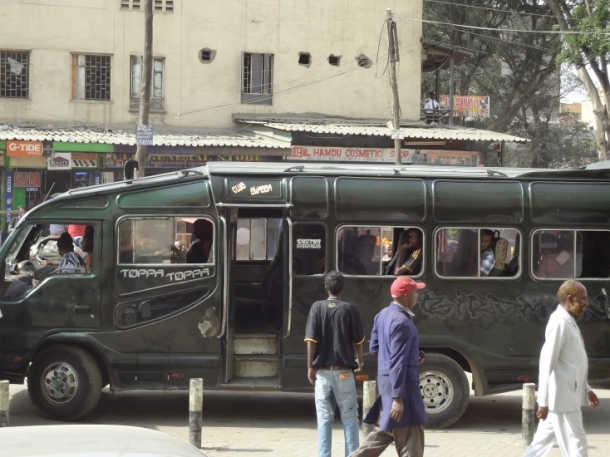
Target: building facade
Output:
[(78, 63)]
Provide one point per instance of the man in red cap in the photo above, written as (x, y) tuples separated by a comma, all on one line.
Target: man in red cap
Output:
[(395, 343)]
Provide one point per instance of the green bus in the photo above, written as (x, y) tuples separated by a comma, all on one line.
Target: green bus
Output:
[(145, 314)]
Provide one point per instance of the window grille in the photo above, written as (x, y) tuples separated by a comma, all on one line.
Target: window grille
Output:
[(14, 74), (130, 4), (166, 6), (257, 79), (92, 77)]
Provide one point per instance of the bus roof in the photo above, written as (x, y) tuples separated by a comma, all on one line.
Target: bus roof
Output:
[(329, 169)]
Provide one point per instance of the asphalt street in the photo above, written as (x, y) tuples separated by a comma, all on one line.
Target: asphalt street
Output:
[(282, 424)]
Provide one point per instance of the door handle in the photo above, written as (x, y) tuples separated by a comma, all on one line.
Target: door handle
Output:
[(82, 308)]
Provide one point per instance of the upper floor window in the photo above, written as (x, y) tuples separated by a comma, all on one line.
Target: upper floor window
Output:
[(156, 92), (166, 240), (565, 254), (257, 79), (14, 74), (475, 252), (166, 6), (91, 77), (131, 4)]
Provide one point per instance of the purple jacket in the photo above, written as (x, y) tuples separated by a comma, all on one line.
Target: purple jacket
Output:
[(394, 342)]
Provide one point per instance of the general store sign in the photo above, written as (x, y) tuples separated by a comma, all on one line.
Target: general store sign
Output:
[(26, 179), (468, 105), (24, 148)]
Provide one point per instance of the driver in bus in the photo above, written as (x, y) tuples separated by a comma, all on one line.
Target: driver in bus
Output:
[(200, 250)]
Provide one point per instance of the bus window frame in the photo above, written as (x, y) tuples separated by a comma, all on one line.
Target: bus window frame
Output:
[(562, 278), (393, 227), (166, 216), (478, 229)]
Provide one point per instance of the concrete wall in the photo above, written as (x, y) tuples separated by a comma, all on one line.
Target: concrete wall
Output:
[(205, 95)]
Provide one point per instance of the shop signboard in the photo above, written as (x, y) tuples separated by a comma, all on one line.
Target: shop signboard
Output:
[(24, 148), (171, 161), (26, 179), (477, 106), (72, 160), (383, 155)]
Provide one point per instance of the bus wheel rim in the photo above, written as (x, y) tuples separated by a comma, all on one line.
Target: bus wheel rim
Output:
[(436, 390), (60, 383)]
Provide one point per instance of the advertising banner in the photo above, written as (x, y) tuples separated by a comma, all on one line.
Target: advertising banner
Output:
[(477, 106), (24, 148), (26, 179), (72, 160), (9, 195)]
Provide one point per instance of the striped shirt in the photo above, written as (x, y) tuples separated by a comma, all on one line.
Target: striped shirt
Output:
[(71, 263)]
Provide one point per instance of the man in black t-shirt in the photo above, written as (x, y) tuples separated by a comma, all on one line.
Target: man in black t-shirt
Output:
[(334, 338)]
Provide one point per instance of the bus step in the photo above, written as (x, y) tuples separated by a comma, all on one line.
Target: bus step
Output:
[(266, 383), (255, 366), (255, 344)]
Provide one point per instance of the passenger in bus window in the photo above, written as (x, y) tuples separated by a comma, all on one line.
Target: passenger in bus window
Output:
[(199, 252), (488, 259), (410, 254), (387, 252)]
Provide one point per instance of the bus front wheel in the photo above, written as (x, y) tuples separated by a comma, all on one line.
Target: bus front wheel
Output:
[(65, 382), (444, 389)]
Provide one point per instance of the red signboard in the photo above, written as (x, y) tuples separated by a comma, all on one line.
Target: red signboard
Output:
[(26, 179)]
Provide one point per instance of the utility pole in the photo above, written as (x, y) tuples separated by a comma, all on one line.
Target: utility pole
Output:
[(147, 60), (394, 56)]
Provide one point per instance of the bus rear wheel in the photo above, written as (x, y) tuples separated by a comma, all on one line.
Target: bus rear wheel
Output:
[(65, 382), (444, 389)]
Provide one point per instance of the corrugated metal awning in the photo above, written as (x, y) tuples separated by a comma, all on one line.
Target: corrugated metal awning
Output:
[(118, 137), (440, 133)]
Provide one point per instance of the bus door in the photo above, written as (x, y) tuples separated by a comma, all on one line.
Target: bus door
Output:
[(255, 294), (42, 294)]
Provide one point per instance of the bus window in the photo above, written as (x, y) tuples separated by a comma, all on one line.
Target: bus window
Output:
[(40, 251), (308, 249), (477, 252), (257, 238), (564, 254), (375, 251), (164, 240)]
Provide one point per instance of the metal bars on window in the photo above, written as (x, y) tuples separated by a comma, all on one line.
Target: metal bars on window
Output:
[(257, 78), (130, 4), (14, 74), (91, 77), (167, 6)]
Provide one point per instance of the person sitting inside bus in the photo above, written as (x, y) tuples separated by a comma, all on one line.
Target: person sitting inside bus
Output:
[(70, 262), (488, 259), (409, 254), (200, 250)]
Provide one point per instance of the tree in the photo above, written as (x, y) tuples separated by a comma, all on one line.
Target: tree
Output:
[(589, 51)]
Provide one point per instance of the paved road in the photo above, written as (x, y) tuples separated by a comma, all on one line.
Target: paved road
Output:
[(282, 424)]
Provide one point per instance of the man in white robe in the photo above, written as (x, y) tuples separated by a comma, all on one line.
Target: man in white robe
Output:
[(562, 381)]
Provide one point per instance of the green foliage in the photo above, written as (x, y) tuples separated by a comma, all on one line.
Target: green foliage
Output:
[(594, 23)]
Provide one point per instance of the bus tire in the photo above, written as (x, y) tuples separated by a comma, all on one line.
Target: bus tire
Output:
[(444, 388), (65, 382)]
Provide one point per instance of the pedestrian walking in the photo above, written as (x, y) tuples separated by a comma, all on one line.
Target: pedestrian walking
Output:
[(395, 343), (334, 338), (562, 379)]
